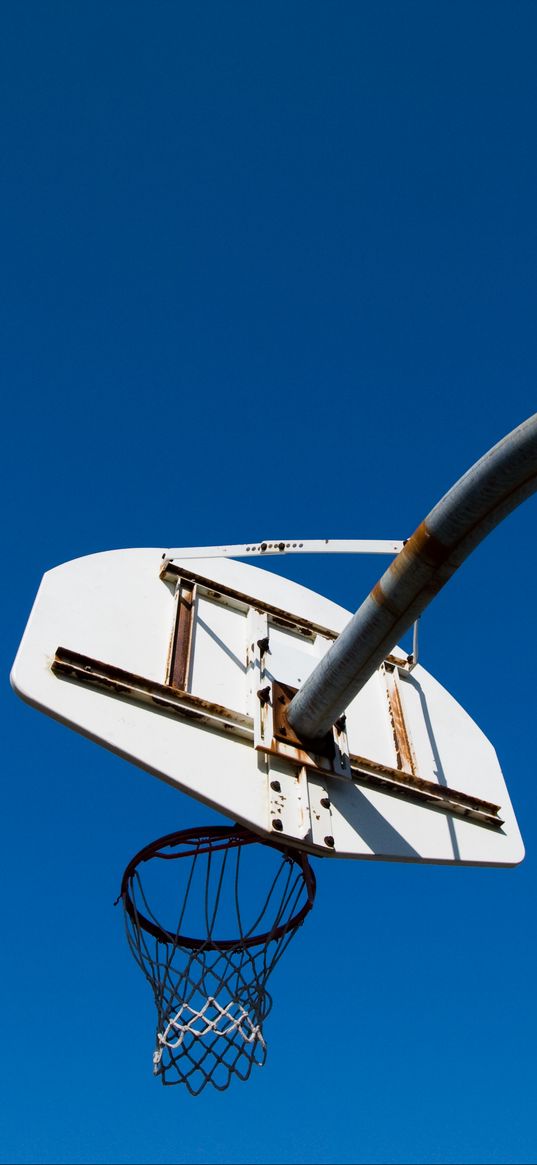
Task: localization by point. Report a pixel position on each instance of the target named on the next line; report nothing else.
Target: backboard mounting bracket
(171, 569)
(286, 546)
(260, 732)
(327, 757)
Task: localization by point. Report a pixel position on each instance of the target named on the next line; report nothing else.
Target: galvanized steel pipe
(490, 490)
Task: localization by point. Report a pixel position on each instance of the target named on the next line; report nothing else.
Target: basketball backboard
(185, 668)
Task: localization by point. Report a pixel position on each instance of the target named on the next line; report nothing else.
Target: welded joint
(331, 754)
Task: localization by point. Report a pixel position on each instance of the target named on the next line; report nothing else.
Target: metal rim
(230, 836)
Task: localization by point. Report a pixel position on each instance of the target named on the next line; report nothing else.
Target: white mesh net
(210, 991)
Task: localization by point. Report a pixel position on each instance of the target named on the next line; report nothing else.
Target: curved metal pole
(490, 490)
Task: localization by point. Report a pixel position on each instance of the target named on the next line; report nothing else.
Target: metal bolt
(281, 545)
(325, 802)
(329, 841)
(276, 786)
(277, 825)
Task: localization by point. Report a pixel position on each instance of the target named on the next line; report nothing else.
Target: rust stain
(423, 544)
(282, 694)
(378, 596)
(398, 661)
(422, 547)
(72, 665)
(179, 668)
(420, 784)
(403, 746)
(306, 760)
(437, 797)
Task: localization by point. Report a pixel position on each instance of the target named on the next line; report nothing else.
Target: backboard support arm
(289, 546)
(486, 494)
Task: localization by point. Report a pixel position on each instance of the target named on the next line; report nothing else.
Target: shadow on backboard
(439, 768)
(376, 831)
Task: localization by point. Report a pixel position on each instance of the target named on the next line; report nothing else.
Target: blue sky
(268, 271)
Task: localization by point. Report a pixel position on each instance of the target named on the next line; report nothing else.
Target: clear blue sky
(268, 270)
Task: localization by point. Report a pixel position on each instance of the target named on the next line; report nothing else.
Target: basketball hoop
(211, 991)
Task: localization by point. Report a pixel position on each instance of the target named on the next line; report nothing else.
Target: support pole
(486, 494)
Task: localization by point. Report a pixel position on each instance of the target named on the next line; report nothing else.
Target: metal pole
(490, 490)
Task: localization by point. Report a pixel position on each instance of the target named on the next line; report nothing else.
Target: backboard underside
(186, 669)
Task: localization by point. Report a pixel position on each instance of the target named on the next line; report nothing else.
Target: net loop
(209, 982)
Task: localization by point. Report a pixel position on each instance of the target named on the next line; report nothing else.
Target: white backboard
(173, 665)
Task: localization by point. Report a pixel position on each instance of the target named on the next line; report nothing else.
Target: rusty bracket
(299, 804)
(282, 694)
(115, 681)
(258, 728)
(181, 645)
(401, 737)
(328, 756)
